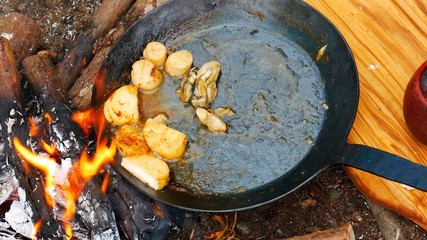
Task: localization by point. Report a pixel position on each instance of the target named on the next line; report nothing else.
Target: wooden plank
(388, 39)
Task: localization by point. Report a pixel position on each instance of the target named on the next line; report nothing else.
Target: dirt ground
(329, 200)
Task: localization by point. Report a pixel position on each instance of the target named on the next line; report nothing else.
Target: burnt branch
(95, 212)
(138, 216)
(80, 52)
(14, 124)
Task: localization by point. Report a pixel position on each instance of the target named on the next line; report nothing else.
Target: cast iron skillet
(293, 113)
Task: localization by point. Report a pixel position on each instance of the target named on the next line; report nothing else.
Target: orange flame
(48, 118)
(33, 127)
(68, 231)
(82, 171)
(46, 164)
(84, 119)
(86, 168)
(50, 149)
(105, 183)
(36, 228)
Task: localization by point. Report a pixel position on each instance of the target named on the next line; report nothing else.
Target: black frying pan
(293, 113)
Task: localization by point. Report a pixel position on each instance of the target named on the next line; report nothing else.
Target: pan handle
(384, 164)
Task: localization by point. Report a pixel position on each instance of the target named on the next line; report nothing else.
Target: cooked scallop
(148, 169)
(130, 141)
(163, 140)
(178, 63)
(156, 53)
(122, 106)
(146, 76)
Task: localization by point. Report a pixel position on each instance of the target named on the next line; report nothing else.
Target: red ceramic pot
(415, 105)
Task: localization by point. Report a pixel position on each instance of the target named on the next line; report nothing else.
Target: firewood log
(64, 133)
(136, 213)
(93, 208)
(80, 52)
(23, 32)
(344, 232)
(14, 124)
(80, 93)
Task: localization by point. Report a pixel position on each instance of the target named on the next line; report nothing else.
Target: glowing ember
(82, 171)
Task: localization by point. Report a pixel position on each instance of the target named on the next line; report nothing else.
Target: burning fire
(86, 167)
(36, 228)
(46, 164)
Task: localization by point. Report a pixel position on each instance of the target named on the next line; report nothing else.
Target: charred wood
(97, 219)
(95, 212)
(62, 132)
(14, 124)
(139, 217)
(98, 216)
(80, 52)
(22, 32)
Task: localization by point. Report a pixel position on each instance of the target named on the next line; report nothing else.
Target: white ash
(4, 225)
(105, 235)
(19, 219)
(61, 172)
(66, 165)
(9, 123)
(2, 146)
(7, 182)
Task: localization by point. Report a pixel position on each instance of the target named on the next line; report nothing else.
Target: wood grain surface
(389, 41)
